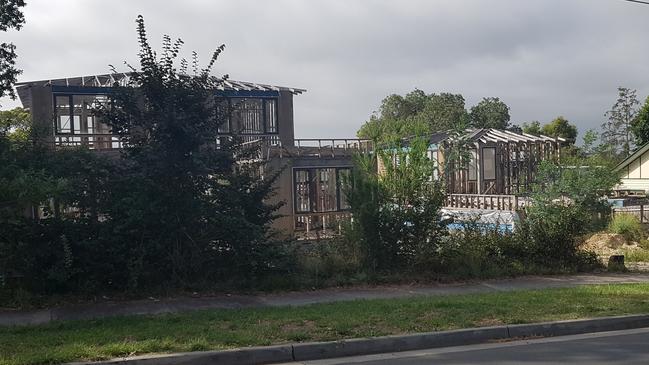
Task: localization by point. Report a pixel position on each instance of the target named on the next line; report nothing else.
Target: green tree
(640, 124)
(617, 129)
(533, 128)
(11, 17)
(490, 113)
(197, 211)
(589, 146)
(445, 111)
(560, 127)
(396, 213)
(15, 124)
(415, 114)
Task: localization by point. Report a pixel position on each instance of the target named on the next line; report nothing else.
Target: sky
(543, 58)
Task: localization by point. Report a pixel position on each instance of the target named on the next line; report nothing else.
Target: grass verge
(228, 328)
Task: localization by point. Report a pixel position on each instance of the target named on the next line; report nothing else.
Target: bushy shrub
(627, 225)
(171, 212)
(396, 213)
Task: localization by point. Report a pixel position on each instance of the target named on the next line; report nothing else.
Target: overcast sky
(544, 58)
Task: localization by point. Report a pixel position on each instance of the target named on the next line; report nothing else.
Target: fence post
(515, 203)
(641, 213)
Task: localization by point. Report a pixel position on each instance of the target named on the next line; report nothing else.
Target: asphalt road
(618, 347)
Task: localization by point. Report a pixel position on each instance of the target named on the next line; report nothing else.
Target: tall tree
(533, 128)
(11, 17)
(415, 114)
(445, 111)
(490, 113)
(640, 124)
(560, 127)
(198, 210)
(15, 124)
(617, 129)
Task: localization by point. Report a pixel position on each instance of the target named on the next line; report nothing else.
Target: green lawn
(221, 329)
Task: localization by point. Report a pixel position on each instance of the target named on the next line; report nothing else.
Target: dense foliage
(398, 226)
(627, 225)
(490, 113)
(396, 213)
(172, 211)
(558, 127)
(11, 17)
(640, 124)
(15, 124)
(415, 114)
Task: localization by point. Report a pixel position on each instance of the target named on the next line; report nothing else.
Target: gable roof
(627, 161)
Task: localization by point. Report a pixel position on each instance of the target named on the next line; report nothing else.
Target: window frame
(70, 96)
(484, 159)
(70, 114)
(265, 123)
(313, 174)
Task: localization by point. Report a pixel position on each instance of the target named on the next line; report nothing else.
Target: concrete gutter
(376, 345)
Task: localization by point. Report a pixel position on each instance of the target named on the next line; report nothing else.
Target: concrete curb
(368, 346)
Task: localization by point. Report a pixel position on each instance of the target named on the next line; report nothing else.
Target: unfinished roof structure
(123, 79)
(500, 161)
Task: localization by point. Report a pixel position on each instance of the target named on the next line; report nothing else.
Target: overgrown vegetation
(627, 225)
(396, 213)
(229, 328)
(171, 212)
(397, 233)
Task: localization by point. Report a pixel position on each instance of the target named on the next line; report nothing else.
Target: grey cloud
(543, 57)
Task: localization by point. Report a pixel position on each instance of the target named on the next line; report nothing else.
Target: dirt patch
(298, 326)
(605, 240)
(488, 322)
(607, 244)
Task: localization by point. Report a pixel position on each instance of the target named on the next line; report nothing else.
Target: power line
(638, 1)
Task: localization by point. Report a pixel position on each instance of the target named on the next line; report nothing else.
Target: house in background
(634, 173)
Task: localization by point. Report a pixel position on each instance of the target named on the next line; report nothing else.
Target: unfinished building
(501, 164)
(312, 169)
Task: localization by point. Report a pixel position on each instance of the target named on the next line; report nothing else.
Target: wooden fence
(482, 201)
(638, 211)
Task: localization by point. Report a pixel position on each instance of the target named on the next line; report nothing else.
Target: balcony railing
(322, 147)
(269, 144)
(105, 141)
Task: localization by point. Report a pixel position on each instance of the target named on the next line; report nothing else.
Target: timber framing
(499, 162)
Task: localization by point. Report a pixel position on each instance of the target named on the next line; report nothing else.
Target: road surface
(618, 347)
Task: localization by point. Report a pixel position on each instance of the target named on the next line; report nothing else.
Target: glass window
(489, 163)
(473, 166)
